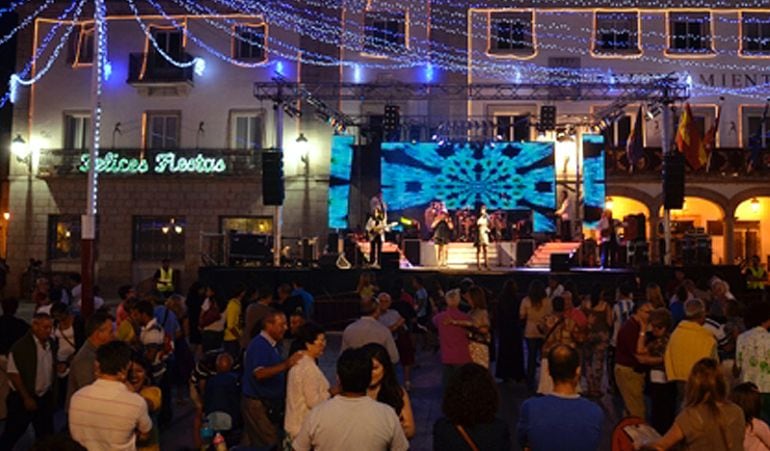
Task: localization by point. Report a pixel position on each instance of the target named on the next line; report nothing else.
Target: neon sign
(163, 163)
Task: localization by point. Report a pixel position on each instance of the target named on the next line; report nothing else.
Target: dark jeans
(609, 253)
(663, 403)
(19, 419)
(375, 250)
(566, 230)
(533, 357)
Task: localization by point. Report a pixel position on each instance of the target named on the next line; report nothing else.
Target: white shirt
(216, 326)
(558, 291)
(343, 423)
(368, 330)
(306, 387)
(44, 370)
(98, 303)
(751, 351)
(66, 345)
(103, 416)
(565, 211)
(152, 333)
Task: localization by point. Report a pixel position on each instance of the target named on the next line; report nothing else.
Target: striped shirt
(106, 415)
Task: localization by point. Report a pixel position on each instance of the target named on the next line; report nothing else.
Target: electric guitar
(374, 229)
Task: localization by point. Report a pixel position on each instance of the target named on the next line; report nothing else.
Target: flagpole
(666, 129)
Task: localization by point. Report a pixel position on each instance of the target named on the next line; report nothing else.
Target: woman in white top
(306, 386)
(482, 237)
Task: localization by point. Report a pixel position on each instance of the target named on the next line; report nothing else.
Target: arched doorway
(752, 229)
(623, 208)
(698, 217)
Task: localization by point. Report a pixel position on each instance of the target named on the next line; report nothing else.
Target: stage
(336, 300)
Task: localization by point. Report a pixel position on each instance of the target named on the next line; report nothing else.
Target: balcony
(727, 165)
(135, 163)
(152, 75)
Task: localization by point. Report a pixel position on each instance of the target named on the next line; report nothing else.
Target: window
(512, 127)
(249, 43)
(384, 32)
(162, 130)
(755, 130)
(77, 128)
(246, 130)
(159, 237)
(616, 32)
(755, 33)
(81, 45)
(170, 41)
(511, 33)
(258, 225)
(689, 32)
(63, 237)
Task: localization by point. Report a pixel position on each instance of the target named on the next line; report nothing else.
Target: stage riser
(463, 255)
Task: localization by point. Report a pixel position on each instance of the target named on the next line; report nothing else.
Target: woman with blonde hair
(654, 295)
(709, 421)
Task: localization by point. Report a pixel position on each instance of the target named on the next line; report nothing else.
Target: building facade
(181, 145)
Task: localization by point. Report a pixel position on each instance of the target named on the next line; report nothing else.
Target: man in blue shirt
(307, 298)
(264, 383)
(561, 420)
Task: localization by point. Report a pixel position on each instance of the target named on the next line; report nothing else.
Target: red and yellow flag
(689, 140)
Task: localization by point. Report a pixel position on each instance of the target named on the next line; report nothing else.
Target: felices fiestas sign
(161, 163)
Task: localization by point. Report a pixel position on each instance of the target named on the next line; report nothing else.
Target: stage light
(107, 70)
(755, 205)
(357, 74)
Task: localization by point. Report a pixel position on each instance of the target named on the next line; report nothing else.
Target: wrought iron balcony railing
(724, 163)
(148, 68)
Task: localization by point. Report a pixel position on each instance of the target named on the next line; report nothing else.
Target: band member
(482, 236)
(609, 239)
(565, 213)
(442, 230)
(377, 202)
(375, 228)
(430, 214)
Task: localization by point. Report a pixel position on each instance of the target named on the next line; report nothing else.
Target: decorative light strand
(27, 20)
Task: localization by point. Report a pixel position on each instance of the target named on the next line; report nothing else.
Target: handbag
(467, 438)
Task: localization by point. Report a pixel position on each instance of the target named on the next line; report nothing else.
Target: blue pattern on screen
(593, 179)
(339, 180)
(501, 175)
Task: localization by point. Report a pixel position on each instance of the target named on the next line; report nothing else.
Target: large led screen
(339, 180)
(593, 179)
(504, 176)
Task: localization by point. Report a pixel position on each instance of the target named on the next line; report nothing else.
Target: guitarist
(375, 229)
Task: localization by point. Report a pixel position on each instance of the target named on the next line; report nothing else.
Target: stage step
(542, 256)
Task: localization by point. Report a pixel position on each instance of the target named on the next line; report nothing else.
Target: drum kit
(465, 225)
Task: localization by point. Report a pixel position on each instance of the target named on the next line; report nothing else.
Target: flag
(710, 138)
(689, 140)
(635, 145)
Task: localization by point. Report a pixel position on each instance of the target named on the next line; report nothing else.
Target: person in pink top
(757, 436)
(453, 341)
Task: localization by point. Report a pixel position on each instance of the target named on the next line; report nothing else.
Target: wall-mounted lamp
(7, 215)
(609, 203)
(755, 205)
(20, 149)
(302, 146)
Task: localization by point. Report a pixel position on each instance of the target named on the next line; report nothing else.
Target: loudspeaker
(328, 261)
(412, 251)
(272, 178)
(547, 117)
(673, 181)
(524, 251)
(561, 262)
(389, 260)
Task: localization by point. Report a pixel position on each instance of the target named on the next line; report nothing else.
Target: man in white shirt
(31, 373)
(368, 330)
(751, 351)
(352, 420)
(107, 415)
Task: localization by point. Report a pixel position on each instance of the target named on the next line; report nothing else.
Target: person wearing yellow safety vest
(756, 275)
(166, 279)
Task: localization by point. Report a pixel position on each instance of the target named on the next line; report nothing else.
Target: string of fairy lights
(399, 46)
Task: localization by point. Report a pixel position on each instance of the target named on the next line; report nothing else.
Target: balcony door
(170, 41)
(746, 238)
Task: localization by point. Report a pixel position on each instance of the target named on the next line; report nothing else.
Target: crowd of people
(687, 359)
